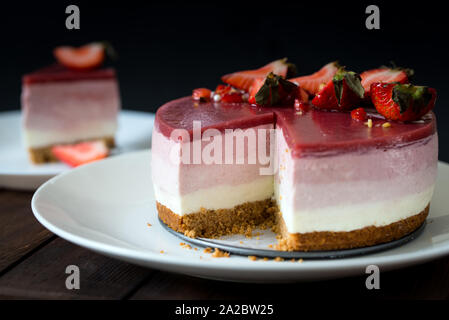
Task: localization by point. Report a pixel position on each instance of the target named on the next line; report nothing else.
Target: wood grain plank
(428, 281)
(20, 232)
(42, 275)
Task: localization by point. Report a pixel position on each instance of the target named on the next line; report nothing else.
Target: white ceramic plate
(17, 172)
(106, 206)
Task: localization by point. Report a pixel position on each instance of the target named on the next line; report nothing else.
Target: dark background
(167, 49)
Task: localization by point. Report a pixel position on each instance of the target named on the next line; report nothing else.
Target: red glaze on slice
(320, 133)
(58, 72)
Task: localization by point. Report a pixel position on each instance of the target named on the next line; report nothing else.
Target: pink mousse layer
(357, 177)
(63, 105)
(173, 175)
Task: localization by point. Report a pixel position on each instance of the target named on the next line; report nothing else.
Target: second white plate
(109, 207)
(17, 172)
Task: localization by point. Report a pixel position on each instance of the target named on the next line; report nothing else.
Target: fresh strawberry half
(313, 82)
(81, 153)
(276, 91)
(402, 102)
(344, 92)
(302, 94)
(86, 57)
(201, 94)
(244, 79)
(384, 75)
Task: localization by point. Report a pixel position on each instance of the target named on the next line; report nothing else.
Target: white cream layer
(352, 216)
(33, 138)
(219, 197)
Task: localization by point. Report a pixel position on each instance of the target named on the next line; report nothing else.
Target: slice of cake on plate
(339, 179)
(69, 102)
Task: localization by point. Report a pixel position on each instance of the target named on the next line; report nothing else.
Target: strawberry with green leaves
(344, 92)
(402, 102)
(276, 91)
(384, 74)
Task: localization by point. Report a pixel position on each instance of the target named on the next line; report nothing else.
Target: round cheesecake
(320, 179)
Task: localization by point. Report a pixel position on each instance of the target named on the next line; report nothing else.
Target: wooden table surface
(33, 263)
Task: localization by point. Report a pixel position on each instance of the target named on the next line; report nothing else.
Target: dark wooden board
(427, 281)
(43, 276)
(20, 232)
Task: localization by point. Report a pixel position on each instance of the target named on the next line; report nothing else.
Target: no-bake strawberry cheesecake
(73, 101)
(311, 157)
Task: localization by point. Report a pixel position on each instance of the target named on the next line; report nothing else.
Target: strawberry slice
(86, 57)
(201, 94)
(313, 83)
(257, 84)
(344, 92)
(81, 153)
(244, 79)
(384, 75)
(402, 102)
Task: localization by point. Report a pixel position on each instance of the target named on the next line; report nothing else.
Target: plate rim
(138, 255)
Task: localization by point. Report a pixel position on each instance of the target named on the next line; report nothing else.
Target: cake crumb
(386, 125)
(300, 260)
(162, 251)
(241, 242)
(286, 150)
(293, 260)
(220, 254)
(369, 123)
(278, 259)
(148, 224)
(208, 250)
(270, 246)
(196, 249)
(265, 259)
(252, 258)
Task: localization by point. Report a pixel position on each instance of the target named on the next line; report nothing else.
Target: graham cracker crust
(264, 214)
(44, 154)
(241, 219)
(364, 237)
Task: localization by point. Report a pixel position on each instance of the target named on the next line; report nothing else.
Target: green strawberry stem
(274, 90)
(352, 80)
(407, 95)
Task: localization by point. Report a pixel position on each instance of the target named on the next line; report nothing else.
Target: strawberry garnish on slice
(201, 94)
(80, 153)
(244, 79)
(313, 83)
(276, 91)
(344, 92)
(384, 74)
(86, 57)
(358, 114)
(257, 84)
(402, 102)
